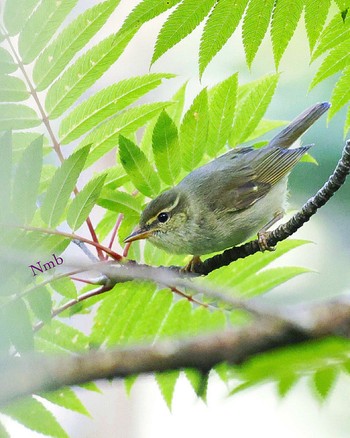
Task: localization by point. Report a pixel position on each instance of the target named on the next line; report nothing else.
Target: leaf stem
(46, 121)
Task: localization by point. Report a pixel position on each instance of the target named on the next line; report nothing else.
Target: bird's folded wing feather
(240, 188)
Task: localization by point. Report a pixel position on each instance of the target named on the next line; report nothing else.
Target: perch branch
(203, 352)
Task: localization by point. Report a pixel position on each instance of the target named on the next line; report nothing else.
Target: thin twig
(73, 236)
(46, 121)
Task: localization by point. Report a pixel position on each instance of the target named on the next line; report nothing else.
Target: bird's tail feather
(299, 125)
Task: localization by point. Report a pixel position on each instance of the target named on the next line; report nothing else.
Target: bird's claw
(262, 241)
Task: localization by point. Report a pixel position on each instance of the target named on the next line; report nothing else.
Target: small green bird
(223, 203)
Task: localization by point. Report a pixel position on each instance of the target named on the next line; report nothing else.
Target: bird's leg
(195, 260)
(263, 233)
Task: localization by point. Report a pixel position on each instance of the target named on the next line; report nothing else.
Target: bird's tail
(299, 125)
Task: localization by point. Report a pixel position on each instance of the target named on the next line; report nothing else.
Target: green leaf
(65, 287)
(341, 93)
(266, 280)
(116, 177)
(40, 302)
(324, 380)
(342, 4)
(83, 203)
(26, 181)
(106, 103)
(145, 11)
(250, 109)
(166, 382)
(84, 73)
(60, 338)
(7, 64)
(222, 104)
(165, 145)
(13, 116)
(286, 383)
(18, 326)
(220, 25)
(316, 12)
(41, 26)
(12, 89)
(120, 202)
(180, 23)
(21, 140)
(66, 398)
(54, 59)
(138, 168)
(194, 131)
(175, 110)
(153, 315)
(61, 187)
(337, 59)
(244, 269)
(335, 33)
(255, 25)
(105, 136)
(106, 225)
(3, 432)
(285, 18)
(5, 173)
(16, 13)
(33, 415)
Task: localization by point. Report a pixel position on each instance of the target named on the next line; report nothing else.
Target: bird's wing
(252, 179)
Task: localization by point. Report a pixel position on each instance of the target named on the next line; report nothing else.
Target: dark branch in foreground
(17, 378)
(335, 181)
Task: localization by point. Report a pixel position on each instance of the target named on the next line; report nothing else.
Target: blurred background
(258, 411)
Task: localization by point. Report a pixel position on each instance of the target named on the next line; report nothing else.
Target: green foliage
(83, 203)
(106, 103)
(41, 26)
(194, 131)
(61, 187)
(16, 116)
(165, 145)
(7, 64)
(253, 100)
(74, 37)
(180, 23)
(83, 73)
(220, 25)
(255, 25)
(28, 411)
(26, 181)
(222, 106)
(138, 168)
(12, 89)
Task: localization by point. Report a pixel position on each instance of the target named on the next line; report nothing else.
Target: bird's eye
(163, 217)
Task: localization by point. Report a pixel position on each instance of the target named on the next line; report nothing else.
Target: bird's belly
(240, 225)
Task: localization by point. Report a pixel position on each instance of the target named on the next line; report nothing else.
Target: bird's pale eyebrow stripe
(168, 209)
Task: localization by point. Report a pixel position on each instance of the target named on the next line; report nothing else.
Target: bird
(225, 202)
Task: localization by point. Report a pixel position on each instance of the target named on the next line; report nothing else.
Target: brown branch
(203, 352)
(335, 181)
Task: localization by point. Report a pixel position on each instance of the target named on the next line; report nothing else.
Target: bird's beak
(138, 235)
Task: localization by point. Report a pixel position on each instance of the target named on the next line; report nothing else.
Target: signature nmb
(48, 265)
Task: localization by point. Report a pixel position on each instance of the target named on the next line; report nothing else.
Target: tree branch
(335, 181)
(203, 352)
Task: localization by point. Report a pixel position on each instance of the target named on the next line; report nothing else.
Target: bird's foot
(190, 267)
(262, 241)
(263, 234)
